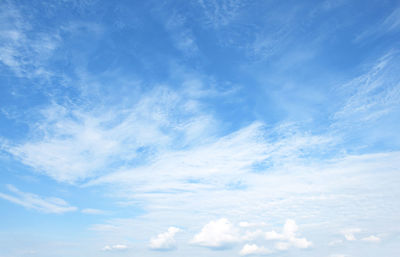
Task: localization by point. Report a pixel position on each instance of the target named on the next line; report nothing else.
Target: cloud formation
(253, 249)
(38, 203)
(218, 234)
(288, 236)
(165, 241)
(116, 247)
(371, 238)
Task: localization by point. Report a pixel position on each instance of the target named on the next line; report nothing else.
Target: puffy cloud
(117, 247)
(253, 249)
(164, 241)
(288, 236)
(372, 238)
(33, 201)
(219, 234)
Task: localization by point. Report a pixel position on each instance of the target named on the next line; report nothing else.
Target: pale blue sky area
(199, 128)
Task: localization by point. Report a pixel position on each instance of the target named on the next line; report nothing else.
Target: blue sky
(199, 128)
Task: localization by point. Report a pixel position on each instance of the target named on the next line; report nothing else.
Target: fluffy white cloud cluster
(288, 237)
(165, 241)
(217, 234)
(222, 234)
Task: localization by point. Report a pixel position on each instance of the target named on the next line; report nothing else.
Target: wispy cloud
(93, 211)
(38, 203)
(373, 94)
(74, 144)
(23, 53)
(220, 13)
(372, 239)
(389, 25)
(116, 247)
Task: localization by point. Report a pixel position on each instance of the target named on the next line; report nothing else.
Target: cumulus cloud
(219, 234)
(372, 239)
(117, 247)
(288, 237)
(33, 201)
(253, 249)
(165, 241)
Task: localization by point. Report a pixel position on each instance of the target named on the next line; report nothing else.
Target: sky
(195, 128)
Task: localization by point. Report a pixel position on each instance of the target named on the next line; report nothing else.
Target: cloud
(245, 224)
(116, 247)
(220, 13)
(73, 144)
(371, 95)
(181, 36)
(289, 235)
(392, 22)
(372, 239)
(253, 249)
(23, 52)
(92, 211)
(35, 202)
(218, 234)
(349, 234)
(165, 241)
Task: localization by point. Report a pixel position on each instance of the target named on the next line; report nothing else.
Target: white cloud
(165, 241)
(245, 224)
(220, 13)
(372, 239)
(218, 234)
(92, 211)
(75, 144)
(33, 201)
(349, 234)
(116, 247)
(371, 95)
(23, 52)
(253, 249)
(288, 235)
